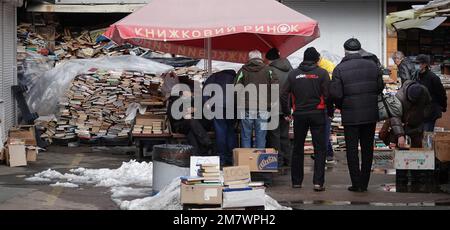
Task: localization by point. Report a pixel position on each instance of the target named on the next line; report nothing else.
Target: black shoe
(354, 189)
(296, 186)
(313, 157)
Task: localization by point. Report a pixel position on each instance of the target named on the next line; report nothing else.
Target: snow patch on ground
(129, 173)
(129, 191)
(64, 184)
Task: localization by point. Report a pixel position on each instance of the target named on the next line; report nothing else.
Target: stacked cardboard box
(96, 103)
(20, 147)
(203, 189)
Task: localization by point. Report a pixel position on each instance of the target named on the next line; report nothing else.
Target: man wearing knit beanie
(279, 137)
(308, 86)
(354, 89)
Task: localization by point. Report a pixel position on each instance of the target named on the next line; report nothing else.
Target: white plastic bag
(50, 88)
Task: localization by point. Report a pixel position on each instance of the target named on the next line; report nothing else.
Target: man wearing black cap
(354, 89)
(279, 137)
(308, 85)
(436, 89)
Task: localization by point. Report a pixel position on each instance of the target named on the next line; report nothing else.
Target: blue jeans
(330, 152)
(429, 126)
(225, 140)
(256, 121)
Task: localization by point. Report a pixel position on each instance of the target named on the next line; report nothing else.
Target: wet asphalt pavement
(16, 193)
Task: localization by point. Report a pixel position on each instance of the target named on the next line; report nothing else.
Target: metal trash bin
(170, 161)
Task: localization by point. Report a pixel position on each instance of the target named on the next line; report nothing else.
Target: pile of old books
(150, 123)
(191, 74)
(96, 102)
(233, 190)
(48, 124)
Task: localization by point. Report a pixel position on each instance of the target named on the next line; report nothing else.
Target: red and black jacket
(308, 87)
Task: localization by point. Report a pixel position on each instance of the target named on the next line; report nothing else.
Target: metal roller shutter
(8, 64)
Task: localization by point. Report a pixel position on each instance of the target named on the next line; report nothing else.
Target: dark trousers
(402, 175)
(429, 126)
(330, 152)
(197, 136)
(279, 140)
(364, 135)
(225, 139)
(315, 122)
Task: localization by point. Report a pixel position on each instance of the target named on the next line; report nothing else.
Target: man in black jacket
(308, 85)
(279, 137)
(436, 89)
(354, 89)
(406, 69)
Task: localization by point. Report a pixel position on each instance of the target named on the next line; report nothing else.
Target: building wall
(8, 76)
(340, 20)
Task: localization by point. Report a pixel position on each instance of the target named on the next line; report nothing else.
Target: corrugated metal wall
(8, 76)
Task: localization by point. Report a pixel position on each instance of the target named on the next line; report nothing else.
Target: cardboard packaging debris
(236, 177)
(441, 143)
(246, 198)
(24, 132)
(16, 153)
(258, 160)
(31, 153)
(201, 194)
(414, 159)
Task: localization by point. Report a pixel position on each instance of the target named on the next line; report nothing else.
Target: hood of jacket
(254, 65)
(282, 64)
(307, 66)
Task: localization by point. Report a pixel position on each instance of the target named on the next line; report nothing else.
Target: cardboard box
(236, 173)
(259, 160)
(441, 143)
(415, 159)
(248, 198)
(31, 153)
(26, 132)
(201, 194)
(16, 155)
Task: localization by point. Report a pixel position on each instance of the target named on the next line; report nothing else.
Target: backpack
(389, 106)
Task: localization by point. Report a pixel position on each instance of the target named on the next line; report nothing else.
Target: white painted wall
(340, 20)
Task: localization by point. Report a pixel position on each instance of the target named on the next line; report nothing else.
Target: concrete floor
(16, 193)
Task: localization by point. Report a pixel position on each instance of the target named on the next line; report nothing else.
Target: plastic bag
(220, 65)
(132, 111)
(33, 67)
(50, 88)
(175, 154)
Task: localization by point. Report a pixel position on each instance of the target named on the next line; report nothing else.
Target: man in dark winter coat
(415, 101)
(225, 126)
(436, 90)
(406, 69)
(308, 85)
(253, 117)
(279, 137)
(355, 87)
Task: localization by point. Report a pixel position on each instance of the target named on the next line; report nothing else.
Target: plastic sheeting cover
(43, 97)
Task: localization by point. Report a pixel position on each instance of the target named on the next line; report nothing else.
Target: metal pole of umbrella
(209, 50)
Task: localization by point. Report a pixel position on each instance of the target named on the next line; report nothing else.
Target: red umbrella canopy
(234, 26)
